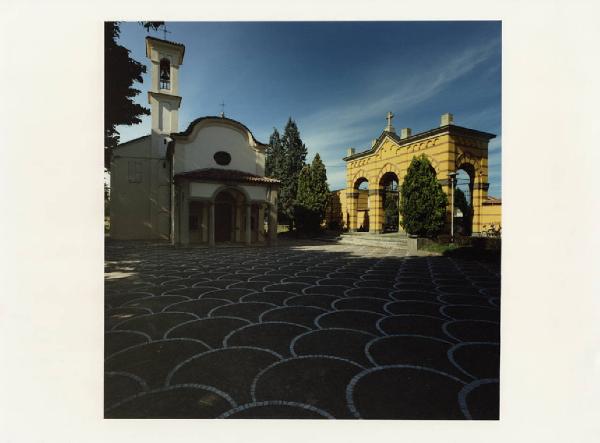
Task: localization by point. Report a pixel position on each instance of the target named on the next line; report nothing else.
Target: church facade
(204, 185)
(374, 175)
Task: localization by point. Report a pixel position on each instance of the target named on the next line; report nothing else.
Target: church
(204, 185)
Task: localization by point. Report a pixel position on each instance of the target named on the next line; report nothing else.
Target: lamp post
(452, 177)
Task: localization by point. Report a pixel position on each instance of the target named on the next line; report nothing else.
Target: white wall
(204, 190)
(139, 208)
(256, 192)
(197, 152)
(129, 203)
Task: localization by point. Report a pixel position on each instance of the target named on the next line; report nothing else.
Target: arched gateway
(449, 148)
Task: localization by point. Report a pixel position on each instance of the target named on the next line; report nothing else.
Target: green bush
(423, 202)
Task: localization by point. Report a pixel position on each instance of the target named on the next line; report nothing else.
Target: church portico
(212, 213)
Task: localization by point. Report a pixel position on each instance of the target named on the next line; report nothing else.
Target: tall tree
(423, 202)
(319, 187)
(120, 72)
(295, 156)
(303, 214)
(274, 156)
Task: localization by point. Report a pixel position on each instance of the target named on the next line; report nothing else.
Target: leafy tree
(294, 160)
(120, 72)
(303, 213)
(312, 197)
(423, 202)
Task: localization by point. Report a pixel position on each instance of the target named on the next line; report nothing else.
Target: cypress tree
(295, 155)
(319, 187)
(423, 202)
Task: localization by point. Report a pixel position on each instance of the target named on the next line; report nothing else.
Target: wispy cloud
(331, 130)
(344, 122)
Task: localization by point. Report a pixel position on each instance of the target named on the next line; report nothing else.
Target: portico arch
(359, 205)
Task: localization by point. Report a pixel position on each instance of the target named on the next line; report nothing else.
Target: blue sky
(337, 80)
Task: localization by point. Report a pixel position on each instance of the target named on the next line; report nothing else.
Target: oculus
(222, 158)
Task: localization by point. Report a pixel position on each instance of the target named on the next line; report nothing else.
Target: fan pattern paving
(313, 331)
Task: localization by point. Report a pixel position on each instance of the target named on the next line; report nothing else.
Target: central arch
(389, 184)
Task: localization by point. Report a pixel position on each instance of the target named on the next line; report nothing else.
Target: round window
(222, 158)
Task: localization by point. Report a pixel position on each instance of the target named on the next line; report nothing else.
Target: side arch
(360, 174)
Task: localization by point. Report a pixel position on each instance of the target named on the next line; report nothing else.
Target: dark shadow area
(307, 329)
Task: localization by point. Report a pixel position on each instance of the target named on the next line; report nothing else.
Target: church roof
(132, 140)
(161, 40)
(190, 127)
(226, 175)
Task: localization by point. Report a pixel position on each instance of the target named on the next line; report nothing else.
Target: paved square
(299, 331)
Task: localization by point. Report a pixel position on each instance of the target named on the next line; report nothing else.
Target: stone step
(382, 241)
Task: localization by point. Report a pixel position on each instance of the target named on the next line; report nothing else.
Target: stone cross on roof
(165, 31)
(389, 127)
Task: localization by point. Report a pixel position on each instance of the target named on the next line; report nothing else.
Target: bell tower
(163, 96)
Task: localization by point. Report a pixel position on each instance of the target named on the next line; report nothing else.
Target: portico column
(272, 224)
(211, 223)
(261, 222)
(479, 194)
(184, 232)
(375, 210)
(352, 203)
(248, 223)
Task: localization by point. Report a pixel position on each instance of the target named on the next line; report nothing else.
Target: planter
(415, 243)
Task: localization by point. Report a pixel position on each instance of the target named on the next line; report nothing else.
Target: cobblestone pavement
(313, 331)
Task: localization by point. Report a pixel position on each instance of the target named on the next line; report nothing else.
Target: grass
(440, 248)
(464, 252)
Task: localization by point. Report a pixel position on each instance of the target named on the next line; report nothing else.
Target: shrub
(423, 202)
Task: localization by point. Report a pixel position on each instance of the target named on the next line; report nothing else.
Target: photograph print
(302, 220)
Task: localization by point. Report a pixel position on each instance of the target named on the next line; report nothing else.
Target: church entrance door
(229, 216)
(223, 216)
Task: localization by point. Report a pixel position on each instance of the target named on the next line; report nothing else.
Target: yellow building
(374, 174)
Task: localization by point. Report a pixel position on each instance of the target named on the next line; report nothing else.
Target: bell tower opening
(165, 73)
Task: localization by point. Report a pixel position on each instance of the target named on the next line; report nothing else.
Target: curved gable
(195, 148)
